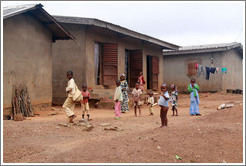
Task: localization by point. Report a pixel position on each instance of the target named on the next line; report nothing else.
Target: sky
(182, 23)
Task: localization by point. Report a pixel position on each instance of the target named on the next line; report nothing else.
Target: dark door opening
(136, 65)
(106, 63)
(152, 72)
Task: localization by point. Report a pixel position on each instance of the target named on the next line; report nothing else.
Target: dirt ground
(215, 137)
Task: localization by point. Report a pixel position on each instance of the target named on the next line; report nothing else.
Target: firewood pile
(21, 103)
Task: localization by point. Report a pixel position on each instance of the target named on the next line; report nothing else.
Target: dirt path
(215, 137)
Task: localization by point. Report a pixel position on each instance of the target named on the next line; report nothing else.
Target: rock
(64, 124)
(104, 124)
(158, 147)
(88, 128)
(112, 128)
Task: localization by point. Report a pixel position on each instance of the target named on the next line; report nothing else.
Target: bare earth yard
(215, 137)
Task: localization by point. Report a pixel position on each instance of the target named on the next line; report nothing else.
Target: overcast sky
(181, 23)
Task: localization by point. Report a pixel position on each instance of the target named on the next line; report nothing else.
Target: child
(69, 104)
(163, 103)
(85, 103)
(136, 96)
(141, 81)
(194, 98)
(174, 99)
(118, 98)
(150, 102)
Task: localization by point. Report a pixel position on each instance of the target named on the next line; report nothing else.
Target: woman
(124, 88)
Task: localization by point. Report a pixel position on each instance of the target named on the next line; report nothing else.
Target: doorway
(152, 72)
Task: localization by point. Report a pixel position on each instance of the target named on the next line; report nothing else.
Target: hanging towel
(224, 69)
(209, 70)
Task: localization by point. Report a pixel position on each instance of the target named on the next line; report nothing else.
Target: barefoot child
(85, 103)
(118, 98)
(174, 99)
(69, 104)
(194, 98)
(136, 96)
(150, 102)
(163, 103)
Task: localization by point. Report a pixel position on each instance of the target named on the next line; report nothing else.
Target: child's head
(140, 73)
(151, 93)
(122, 77)
(173, 87)
(137, 85)
(164, 87)
(117, 83)
(84, 87)
(69, 74)
(192, 81)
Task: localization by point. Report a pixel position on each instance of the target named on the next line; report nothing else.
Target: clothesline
(201, 69)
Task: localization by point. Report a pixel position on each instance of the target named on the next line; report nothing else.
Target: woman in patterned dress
(124, 88)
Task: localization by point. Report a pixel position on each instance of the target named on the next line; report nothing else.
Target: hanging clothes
(200, 71)
(209, 70)
(196, 66)
(217, 70)
(224, 70)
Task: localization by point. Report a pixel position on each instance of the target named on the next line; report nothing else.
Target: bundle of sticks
(21, 102)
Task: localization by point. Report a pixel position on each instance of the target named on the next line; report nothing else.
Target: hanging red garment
(196, 66)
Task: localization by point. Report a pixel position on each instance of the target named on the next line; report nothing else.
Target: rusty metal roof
(115, 28)
(205, 48)
(58, 32)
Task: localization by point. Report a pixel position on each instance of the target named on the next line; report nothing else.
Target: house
(102, 52)
(28, 33)
(179, 66)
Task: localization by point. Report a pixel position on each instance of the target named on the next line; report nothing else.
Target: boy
(136, 96)
(85, 103)
(118, 98)
(150, 102)
(69, 104)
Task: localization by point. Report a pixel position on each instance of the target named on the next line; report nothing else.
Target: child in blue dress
(194, 98)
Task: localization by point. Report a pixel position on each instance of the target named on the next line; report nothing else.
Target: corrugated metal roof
(205, 48)
(58, 32)
(115, 28)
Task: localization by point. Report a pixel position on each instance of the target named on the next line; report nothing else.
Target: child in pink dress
(141, 81)
(118, 99)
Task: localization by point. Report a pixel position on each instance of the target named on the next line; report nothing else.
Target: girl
(118, 99)
(69, 104)
(124, 88)
(136, 96)
(141, 81)
(174, 99)
(163, 103)
(194, 98)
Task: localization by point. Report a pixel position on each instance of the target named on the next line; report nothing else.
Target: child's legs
(192, 107)
(83, 109)
(161, 116)
(135, 108)
(196, 107)
(139, 109)
(69, 106)
(117, 109)
(150, 109)
(165, 109)
(87, 108)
